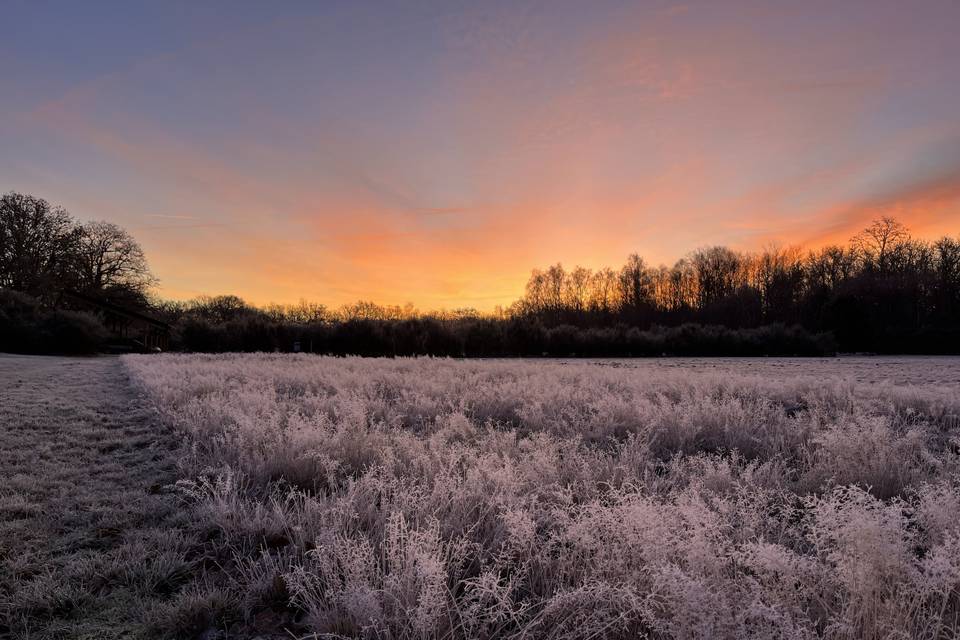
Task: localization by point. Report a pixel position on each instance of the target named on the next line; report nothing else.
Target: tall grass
(420, 498)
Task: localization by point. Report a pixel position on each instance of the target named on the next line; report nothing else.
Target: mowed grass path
(90, 542)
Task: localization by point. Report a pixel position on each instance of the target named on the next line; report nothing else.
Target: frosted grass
(424, 498)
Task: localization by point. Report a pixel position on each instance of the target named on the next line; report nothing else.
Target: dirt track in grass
(89, 538)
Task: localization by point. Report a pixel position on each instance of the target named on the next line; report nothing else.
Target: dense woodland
(884, 292)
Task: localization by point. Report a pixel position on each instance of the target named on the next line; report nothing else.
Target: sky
(436, 152)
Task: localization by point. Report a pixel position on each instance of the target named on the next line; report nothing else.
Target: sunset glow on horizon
(435, 153)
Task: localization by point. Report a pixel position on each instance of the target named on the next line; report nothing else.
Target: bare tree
(683, 285)
(948, 276)
(603, 290)
(879, 240)
(829, 267)
(367, 310)
(109, 258)
(303, 312)
(555, 279)
(578, 288)
(719, 273)
(535, 298)
(777, 274)
(636, 284)
(220, 309)
(37, 243)
(948, 259)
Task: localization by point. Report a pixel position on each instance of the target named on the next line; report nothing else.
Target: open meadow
(498, 320)
(433, 498)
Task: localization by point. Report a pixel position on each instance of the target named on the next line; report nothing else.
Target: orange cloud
(929, 209)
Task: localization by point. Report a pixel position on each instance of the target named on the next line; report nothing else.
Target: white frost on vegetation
(423, 498)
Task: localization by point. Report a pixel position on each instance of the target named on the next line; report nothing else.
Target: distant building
(130, 329)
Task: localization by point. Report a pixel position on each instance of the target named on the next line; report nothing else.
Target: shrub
(28, 327)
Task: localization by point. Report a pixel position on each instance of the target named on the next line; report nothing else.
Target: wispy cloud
(431, 157)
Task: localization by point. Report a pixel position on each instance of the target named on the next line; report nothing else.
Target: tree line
(884, 291)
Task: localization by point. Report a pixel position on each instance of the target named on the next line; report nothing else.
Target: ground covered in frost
(91, 544)
(419, 498)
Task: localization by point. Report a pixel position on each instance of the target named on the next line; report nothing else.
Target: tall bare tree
(603, 290)
(578, 288)
(108, 258)
(555, 282)
(636, 284)
(719, 273)
(37, 245)
(879, 240)
(829, 267)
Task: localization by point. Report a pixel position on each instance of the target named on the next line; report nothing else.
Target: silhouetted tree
(603, 291)
(884, 292)
(779, 277)
(636, 288)
(38, 246)
(719, 274)
(578, 290)
(878, 240)
(109, 259)
(303, 312)
(220, 309)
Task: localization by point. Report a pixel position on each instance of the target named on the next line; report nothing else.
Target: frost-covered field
(488, 499)
(930, 371)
